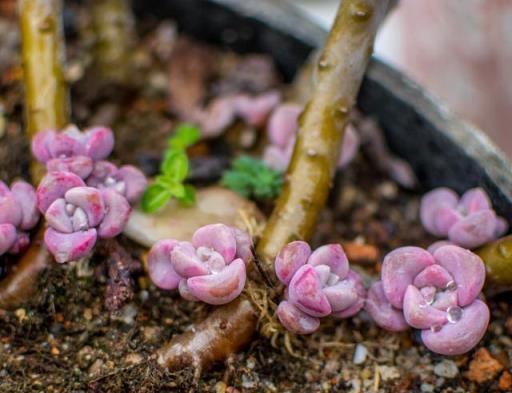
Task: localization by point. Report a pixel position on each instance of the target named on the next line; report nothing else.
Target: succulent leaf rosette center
(319, 284)
(437, 292)
(211, 268)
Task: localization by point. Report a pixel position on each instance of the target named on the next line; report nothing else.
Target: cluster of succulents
(282, 128)
(438, 293)
(83, 197)
(318, 284)
(18, 215)
(468, 221)
(210, 268)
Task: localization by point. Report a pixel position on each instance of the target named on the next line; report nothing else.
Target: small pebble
(360, 354)
(389, 372)
(427, 387)
(446, 368)
(483, 366)
(505, 381)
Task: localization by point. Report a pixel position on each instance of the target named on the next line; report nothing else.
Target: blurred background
(461, 51)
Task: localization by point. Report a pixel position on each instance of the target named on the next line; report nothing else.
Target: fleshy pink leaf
(467, 269)
(117, 214)
(185, 261)
(418, 313)
(220, 288)
(305, 292)
(283, 124)
(382, 312)
(90, 200)
(134, 180)
(27, 201)
(67, 247)
(333, 256)
(160, 268)
(7, 237)
(219, 237)
(475, 200)
(341, 295)
(434, 275)
(10, 210)
(357, 282)
(79, 165)
(296, 321)
(53, 186)
(58, 218)
(243, 245)
(99, 142)
(350, 146)
(400, 268)
(290, 259)
(431, 202)
(474, 230)
(462, 336)
(40, 143)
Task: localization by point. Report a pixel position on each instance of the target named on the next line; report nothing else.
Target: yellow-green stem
(338, 76)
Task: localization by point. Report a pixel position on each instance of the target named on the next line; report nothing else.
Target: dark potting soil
(65, 340)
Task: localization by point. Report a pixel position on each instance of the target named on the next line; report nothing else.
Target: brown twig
(120, 266)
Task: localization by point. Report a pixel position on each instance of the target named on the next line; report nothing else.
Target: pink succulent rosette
(468, 221)
(18, 214)
(210, 268)
(282, 129)
(319, 284)
(72, 150)
(77, 215)
(126, 180)
(437, 293)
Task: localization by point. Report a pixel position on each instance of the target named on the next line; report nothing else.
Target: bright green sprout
(173, 172)
(252, 178)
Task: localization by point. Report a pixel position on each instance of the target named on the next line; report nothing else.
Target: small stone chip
(505, 382)
(360, 354)
(446, 369)
(483, 367)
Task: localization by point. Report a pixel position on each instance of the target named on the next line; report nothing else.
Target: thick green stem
(339, 73)
(497, 257)
(113, 25)
(46, 93)
(47, 107)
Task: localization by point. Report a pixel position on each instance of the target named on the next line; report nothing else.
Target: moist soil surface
(66, 339)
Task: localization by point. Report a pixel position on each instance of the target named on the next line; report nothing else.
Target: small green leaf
(155, 197)
(186, 135)
(175, 165)
(177, 190)
(252, 178)
(190, 196)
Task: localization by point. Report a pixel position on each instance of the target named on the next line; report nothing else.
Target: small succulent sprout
(77, 215)
(72, 150)
(319, 284)
(468, 221)
(282, 128)
(437, 293)
(211, 268)
(18, 214)
(126, 180)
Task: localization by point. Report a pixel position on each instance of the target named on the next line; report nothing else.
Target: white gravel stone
(446, 369)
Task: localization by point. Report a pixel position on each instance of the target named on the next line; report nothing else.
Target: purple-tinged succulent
(222, 111)
(18, 214)
(468, 221)
(126, 180)
(437, 293)
(282, 129)
(211, 268)
(77, 215)
(319, 284)
(72, 150)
